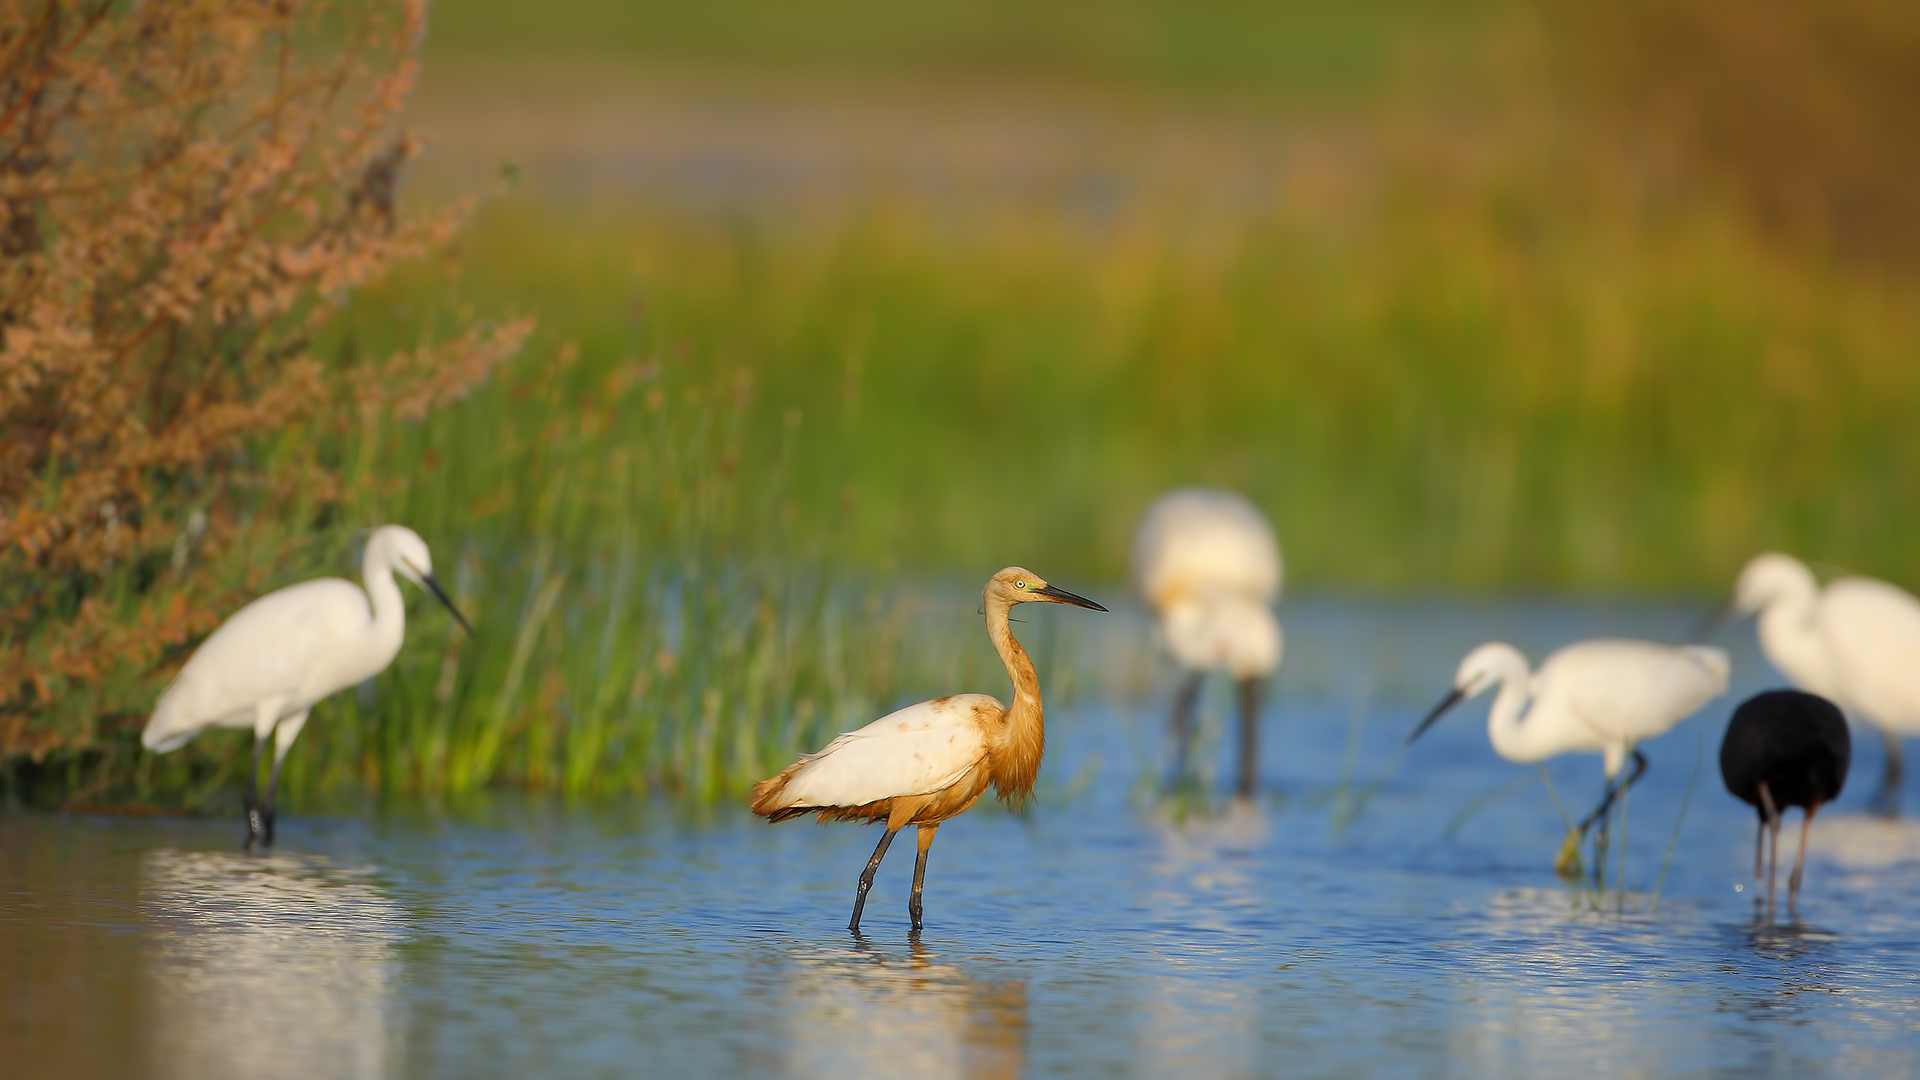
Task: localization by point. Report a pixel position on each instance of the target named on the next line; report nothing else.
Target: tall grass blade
(1699, 753)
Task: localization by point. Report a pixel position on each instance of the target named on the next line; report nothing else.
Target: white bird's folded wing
(267, 650)
(918, 750)
(1635, 690)
(1873, 629)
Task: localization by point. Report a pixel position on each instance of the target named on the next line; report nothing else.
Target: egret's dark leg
(266, 808)
(283, 735)
(1249, 736)
(1181, 727)
(1800, 864)
(1614, 790)
(1886, 800)
(920, 872)
(866, 879)
(1603, 838)
(1602, 844)
(1599, 812)
(255, 826)
(1759, 846)
(1773, 849)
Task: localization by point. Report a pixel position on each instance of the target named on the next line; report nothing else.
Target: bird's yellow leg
(1568, 864)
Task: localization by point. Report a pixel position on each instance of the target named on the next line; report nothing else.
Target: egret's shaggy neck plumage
(1512, 737)
(1016, 755)
(1785, 594)
(389, 612)
(1512, 727)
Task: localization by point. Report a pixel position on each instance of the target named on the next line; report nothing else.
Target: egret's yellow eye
(1019, 584)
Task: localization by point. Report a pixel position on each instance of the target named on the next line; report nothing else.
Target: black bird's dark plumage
(1785, 748)
(1796, 742)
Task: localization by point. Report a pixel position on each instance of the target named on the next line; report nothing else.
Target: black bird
(1785, 748)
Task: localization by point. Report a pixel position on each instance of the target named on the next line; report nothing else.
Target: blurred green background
(842, 306)
(1430, 282)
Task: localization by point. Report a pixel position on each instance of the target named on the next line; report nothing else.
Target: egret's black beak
(1456, 697)
(1704, 630)
(433, 586)
(1062, 596)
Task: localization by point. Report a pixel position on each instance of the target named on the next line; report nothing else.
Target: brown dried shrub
(1810, 109)
(189, 191)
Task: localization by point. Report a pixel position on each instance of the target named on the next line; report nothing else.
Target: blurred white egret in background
(1604, 696)
(1208, 566)
(268, 664)
(1855, 642)
(928, 762)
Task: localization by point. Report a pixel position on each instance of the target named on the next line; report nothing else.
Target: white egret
(1604, 696)
(1855, 642)
(268, 664)
(1208, 566)
(1785, 748)
(928, 762)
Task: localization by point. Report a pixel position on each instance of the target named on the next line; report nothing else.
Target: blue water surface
(1379, 911)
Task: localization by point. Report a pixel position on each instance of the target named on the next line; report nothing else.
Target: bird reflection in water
(269, 966)
(870, 1010)
(1537, 996)
(1194, 1013)
(1795, 967)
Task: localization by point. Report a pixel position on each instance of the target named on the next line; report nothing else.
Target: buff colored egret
(928, 762)
(1603, 696)
(1207, 564)
(1855, 642)
(1785, 748)
(268, 664)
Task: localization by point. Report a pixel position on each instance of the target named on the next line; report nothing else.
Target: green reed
(1461, 339)
(645, 619)
(1448, 388)
(679, 520)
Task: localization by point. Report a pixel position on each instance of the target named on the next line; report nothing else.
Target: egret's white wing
(274, 648)
(1633, 690)
(1196, 538)
(1873, 633)
(918, 750)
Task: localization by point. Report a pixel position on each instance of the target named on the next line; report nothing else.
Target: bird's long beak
(1704, 630)
(433, 586)
(1446, 703)
(1062, 596)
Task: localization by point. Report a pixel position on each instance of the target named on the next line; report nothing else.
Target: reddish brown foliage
(1810, 107)
(188, 192)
